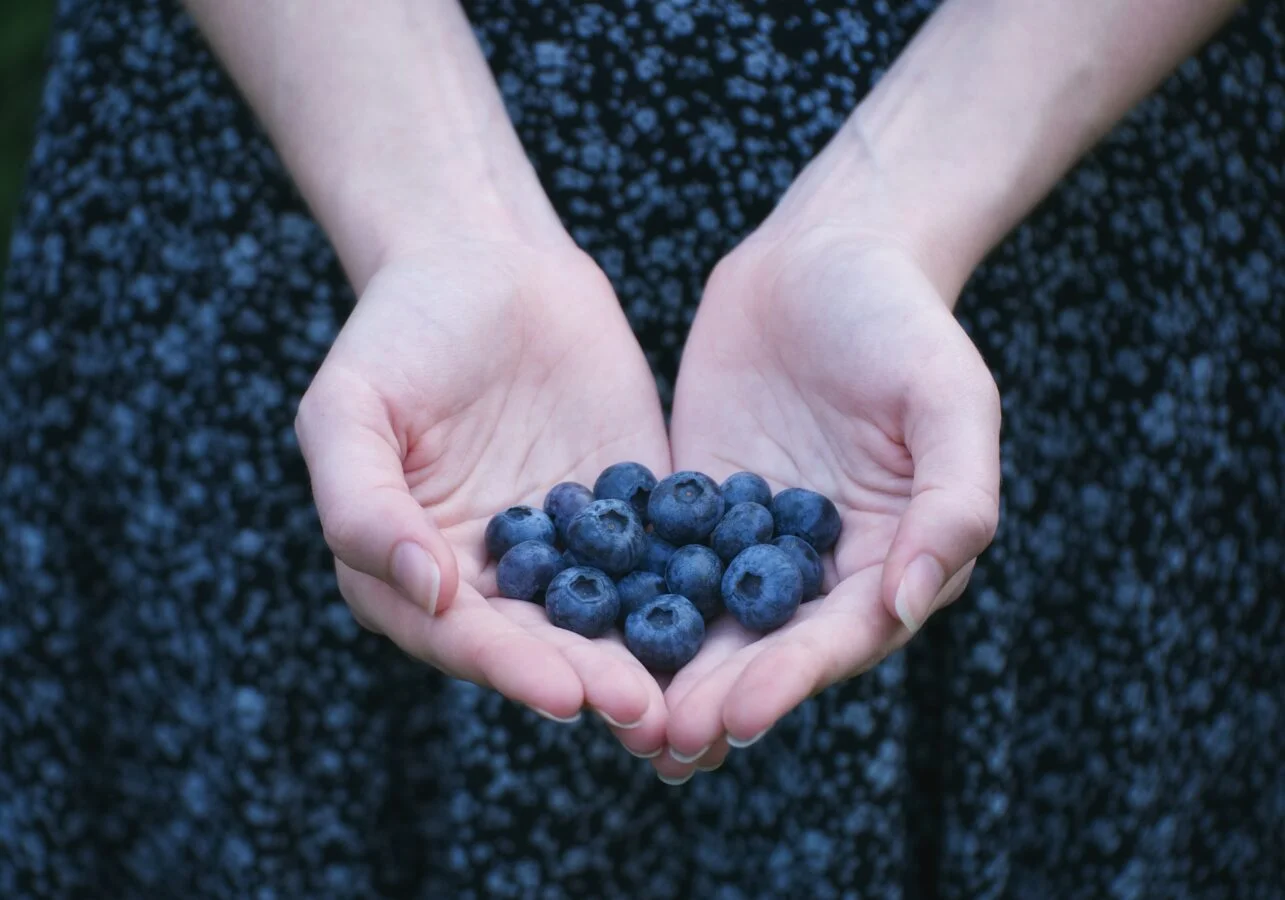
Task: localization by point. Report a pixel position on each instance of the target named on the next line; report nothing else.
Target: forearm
(386, 115)
(995, 99)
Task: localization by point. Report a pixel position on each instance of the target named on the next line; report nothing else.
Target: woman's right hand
(486, 359)
(474, 374)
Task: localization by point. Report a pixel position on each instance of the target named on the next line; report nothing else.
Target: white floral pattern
(187, 708)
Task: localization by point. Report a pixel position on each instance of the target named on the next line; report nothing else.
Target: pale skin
(487, 357)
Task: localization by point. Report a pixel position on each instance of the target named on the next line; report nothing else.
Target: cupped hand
(825, 358)
(472, 376)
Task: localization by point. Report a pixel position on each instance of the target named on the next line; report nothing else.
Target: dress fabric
(188, 710)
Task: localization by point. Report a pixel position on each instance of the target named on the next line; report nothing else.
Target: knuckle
(344, 580)
(988, 393)
(309, 411)
(981, 519)
(970, 510)
(956, 376)
(581, 264)
(328, 402)
(342, 529)
(350, 591)
(726, 274)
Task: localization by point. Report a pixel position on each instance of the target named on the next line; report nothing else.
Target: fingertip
(672, 772)
(572, 719)
(632, 706)
(697, 722)
(644, 739)
(619, 726)
(626, 705)
(364, 622)
(532, 672)
(612, 684)
(679, 756)
(714, 758)
(771, 685)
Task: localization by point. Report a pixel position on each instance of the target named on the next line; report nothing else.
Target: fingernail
(570, 720)
(652, 755)
(920, 583)
(742, 744)
(682, 779)
(678, 757)
(416, 575)
(622, 725)
(709, 768)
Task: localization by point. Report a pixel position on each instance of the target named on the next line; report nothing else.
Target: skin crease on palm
(559, 391)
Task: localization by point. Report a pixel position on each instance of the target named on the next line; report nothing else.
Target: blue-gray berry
(762, 588)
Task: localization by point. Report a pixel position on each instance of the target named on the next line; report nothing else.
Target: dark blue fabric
(188, 710)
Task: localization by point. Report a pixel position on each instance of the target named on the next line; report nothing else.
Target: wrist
(853, 195)
(395, 209)
(983, 112)
(386, 116)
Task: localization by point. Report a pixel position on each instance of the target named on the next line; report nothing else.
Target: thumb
(368, 516)
(952, 433)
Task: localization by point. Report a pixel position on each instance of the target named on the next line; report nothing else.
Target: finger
(671, 769)
(695, 697)
(616, 685)
(485, 582)
(672, 772)
(724, 637)
(952, 433)
(714, 757)
(699, 720)
(369, 626)
(471, 641)
(645, 737)
(848, 633)
(646, 740)
(829, 573)
(368, 516)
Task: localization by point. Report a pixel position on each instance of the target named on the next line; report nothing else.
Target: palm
(802, 365)
(499, 373)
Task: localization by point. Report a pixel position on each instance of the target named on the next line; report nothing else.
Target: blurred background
(24, 33)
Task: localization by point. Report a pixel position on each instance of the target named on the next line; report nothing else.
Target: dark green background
(24, 34)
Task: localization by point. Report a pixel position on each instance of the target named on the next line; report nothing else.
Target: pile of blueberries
(664, 558)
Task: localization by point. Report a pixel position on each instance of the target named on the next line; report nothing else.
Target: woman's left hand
(824, 357)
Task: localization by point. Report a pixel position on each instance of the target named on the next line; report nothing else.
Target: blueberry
(637, 588)
(628, 481)
(746, 487)
(808, 561)
(526, 570)
(659, 551)
(515, 525)
(607, 535)
(762, 588)
(562, 503)
(696, 573)
(582, 600)
(807, 514)
(745, 525)
(569, 559)
(665, 633)
(685, 507)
